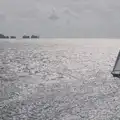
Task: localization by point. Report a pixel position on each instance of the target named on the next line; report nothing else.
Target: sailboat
(116, 69)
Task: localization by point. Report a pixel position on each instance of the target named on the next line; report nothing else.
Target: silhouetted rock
(34, 36)
(2, 36)
(12, 37)
(25, 37)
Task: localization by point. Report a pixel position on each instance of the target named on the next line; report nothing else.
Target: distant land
(2, 36)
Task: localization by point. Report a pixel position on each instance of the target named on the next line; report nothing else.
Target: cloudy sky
(61, 18)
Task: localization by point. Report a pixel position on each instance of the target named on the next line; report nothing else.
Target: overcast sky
(61, 18)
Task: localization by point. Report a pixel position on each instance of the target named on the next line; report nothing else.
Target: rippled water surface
(59, 79)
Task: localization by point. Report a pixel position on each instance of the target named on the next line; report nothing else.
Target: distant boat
(34, 36)
(7, 37)
(116, 69)
(13, 37)
(26, 37)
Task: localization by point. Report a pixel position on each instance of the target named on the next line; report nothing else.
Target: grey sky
(61, 18)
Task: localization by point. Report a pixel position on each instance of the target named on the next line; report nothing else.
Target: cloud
(53, 16)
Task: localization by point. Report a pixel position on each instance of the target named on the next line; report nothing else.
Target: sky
(61, 18)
